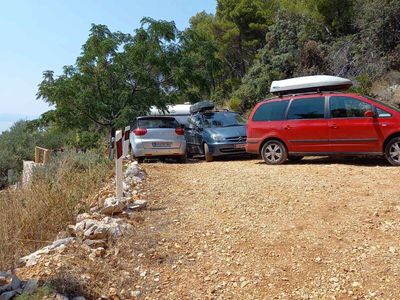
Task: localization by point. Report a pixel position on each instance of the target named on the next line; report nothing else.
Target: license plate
(161, 144)
(240, 146)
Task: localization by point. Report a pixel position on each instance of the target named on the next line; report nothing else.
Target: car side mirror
(369, 114)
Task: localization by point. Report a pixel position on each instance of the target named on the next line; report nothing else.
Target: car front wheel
(208, 156)
(274, 152)
(392, 151)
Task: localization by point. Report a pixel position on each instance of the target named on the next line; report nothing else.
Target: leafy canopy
(116, 77)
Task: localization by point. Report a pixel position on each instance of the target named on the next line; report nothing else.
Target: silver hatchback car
(158, 137)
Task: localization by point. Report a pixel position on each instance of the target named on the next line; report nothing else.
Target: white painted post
(126, 140)
(118, 164)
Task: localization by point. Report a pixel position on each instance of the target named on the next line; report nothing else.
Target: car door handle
(287, 127)
(334, 126)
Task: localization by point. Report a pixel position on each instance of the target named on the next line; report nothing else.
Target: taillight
(140, 131)
(179, 131)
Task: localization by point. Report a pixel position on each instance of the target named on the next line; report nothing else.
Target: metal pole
(118, 165)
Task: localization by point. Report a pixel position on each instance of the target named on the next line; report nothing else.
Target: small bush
(32, 217)
(234, 104)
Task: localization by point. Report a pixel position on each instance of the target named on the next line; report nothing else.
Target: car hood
(228, 131)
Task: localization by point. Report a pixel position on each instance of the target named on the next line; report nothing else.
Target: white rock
(138, 204)
(113, 206)
(102, 229)
(136, 293)
(82, 217)
(132, 170)
(31, 259)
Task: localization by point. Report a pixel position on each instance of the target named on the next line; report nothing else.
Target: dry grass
(30, 218)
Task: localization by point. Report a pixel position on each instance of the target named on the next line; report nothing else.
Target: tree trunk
(111, 146)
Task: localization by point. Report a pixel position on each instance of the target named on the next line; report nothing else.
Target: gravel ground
(321, 229)
(318, 229)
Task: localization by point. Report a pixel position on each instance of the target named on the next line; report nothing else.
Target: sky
(39, 35)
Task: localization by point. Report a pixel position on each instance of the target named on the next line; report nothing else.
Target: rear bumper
(139, 151)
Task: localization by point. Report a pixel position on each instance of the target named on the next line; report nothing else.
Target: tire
(295, 158)
(189, 155)
(207, 155)
(392, 151)
(274, 152)
(182, 159)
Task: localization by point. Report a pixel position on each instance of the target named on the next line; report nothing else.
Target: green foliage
(16, 144)
(230, 57)
(364, 85)
(41, 293)
(117, 77)
(235, 104)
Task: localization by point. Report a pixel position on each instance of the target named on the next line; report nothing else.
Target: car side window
(382, 113)
(271, 111)
(347, 107)
(189, 123)
(307, 108)
(197, 121)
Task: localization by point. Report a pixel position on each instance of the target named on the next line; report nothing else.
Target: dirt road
(245, 230)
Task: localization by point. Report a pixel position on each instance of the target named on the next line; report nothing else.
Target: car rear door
(306, 126)
(193, 135)
(350, 131)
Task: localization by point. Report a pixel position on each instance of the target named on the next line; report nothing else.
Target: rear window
(271, 111)
(158, 123)
(307, 108)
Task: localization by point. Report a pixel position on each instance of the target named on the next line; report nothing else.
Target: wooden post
(118, 164)
(42, 155)
(46, 156)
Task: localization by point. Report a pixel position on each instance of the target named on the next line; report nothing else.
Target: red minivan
(323, 124)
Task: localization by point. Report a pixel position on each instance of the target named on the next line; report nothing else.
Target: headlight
(217, 137)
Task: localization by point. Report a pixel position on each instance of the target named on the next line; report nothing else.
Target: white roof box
(172, 110)
(307, 84)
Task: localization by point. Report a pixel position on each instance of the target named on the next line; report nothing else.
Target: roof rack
(201, 106)
(309, 93)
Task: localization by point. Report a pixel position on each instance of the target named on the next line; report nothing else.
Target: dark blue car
(215, 133)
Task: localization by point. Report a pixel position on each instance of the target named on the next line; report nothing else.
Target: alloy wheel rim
(273, 153)
(395, 152)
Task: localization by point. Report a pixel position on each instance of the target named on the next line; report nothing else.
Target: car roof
(313, 94)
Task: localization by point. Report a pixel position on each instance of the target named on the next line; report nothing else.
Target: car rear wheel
(295, 158)
(392, 151)
(274, 152)
(207, 155)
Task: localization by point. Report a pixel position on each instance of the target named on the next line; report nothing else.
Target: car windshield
(385, 104)
(157, 123)
(223, 119)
